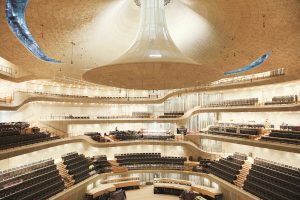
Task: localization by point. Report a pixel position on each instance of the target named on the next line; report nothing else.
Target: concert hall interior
(149, 99)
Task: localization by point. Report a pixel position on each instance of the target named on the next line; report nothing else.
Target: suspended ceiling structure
(113, 43)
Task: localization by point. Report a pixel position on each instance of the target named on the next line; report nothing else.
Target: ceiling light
(153, 61)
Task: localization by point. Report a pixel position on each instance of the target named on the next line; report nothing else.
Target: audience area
(43, 179)
(204, 165)
(78, 166)
(273, 181)
(15, 134)
(282, 136)
(235, 132)
(283, 100)
(171, 115)
(138, 135)
(101, 165)
(98, 137)
(234, 102)
(98, 97)
(228, 168)
(149, 161)
(39, 180)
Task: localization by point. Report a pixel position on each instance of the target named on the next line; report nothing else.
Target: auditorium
(149, 100)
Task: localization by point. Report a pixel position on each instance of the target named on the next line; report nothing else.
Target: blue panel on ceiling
(15, 16)
(252, 65)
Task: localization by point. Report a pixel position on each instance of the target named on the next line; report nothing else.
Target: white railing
(6, 70)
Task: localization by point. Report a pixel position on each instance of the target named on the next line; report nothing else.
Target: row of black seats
(148, 159)
(127, 136)
(158, 137)
(161, 160)
(290, 128)
(204, 165)
(78, 165)
(242, 131)
(12, 141)
(101, 165)
(280, 140)
(99, 138)
(234, 102)
(7, 174)
(77, 117)
(13, 126)
(291, 137)
(141, 155)
(273, 181)
(283, 100)
(228, 168)
(15, 134)
(123, 136)
(39, 180)
(229, 134)
(233, 132)
(141, 114)
(171, 114)
(117, 195)
(172, 191)
(278, 167)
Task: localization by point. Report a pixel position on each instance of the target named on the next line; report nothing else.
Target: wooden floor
(146, 193)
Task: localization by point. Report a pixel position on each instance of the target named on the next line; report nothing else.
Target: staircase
(241, 177)
(67, 178)
(116, 168)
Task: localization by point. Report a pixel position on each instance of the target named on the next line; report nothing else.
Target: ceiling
(223, 34)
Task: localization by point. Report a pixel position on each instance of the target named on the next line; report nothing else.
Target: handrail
(7, 70)
(187, 114)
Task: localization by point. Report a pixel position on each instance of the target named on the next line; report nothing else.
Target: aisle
(146, 193)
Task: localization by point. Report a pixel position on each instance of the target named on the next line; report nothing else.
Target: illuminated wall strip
(252, 65)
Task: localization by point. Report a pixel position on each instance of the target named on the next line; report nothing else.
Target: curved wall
(88, 147)
(230, 192)
(268, 150)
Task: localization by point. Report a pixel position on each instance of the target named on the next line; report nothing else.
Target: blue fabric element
(256, 63)
(15, 16)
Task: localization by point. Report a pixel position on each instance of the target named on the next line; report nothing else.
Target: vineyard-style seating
(78, 165)
(234, 102)
(39, 180)
(280, 140)
(234, 132)
(13, 126)
(101, 164)
(149, 160)
(228, 168)
(126, 135)
(273, 181)
(77, 117)
(158, 137)
(141, 114)
(289, 127)
(171, 115)
(83, 96)
(105, 192)
(17, 134)
(134, 135)
(203, 167)
(291, 137)
(283, 100)
(97, 137)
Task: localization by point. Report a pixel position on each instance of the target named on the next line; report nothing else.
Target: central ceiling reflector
(153, 62)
